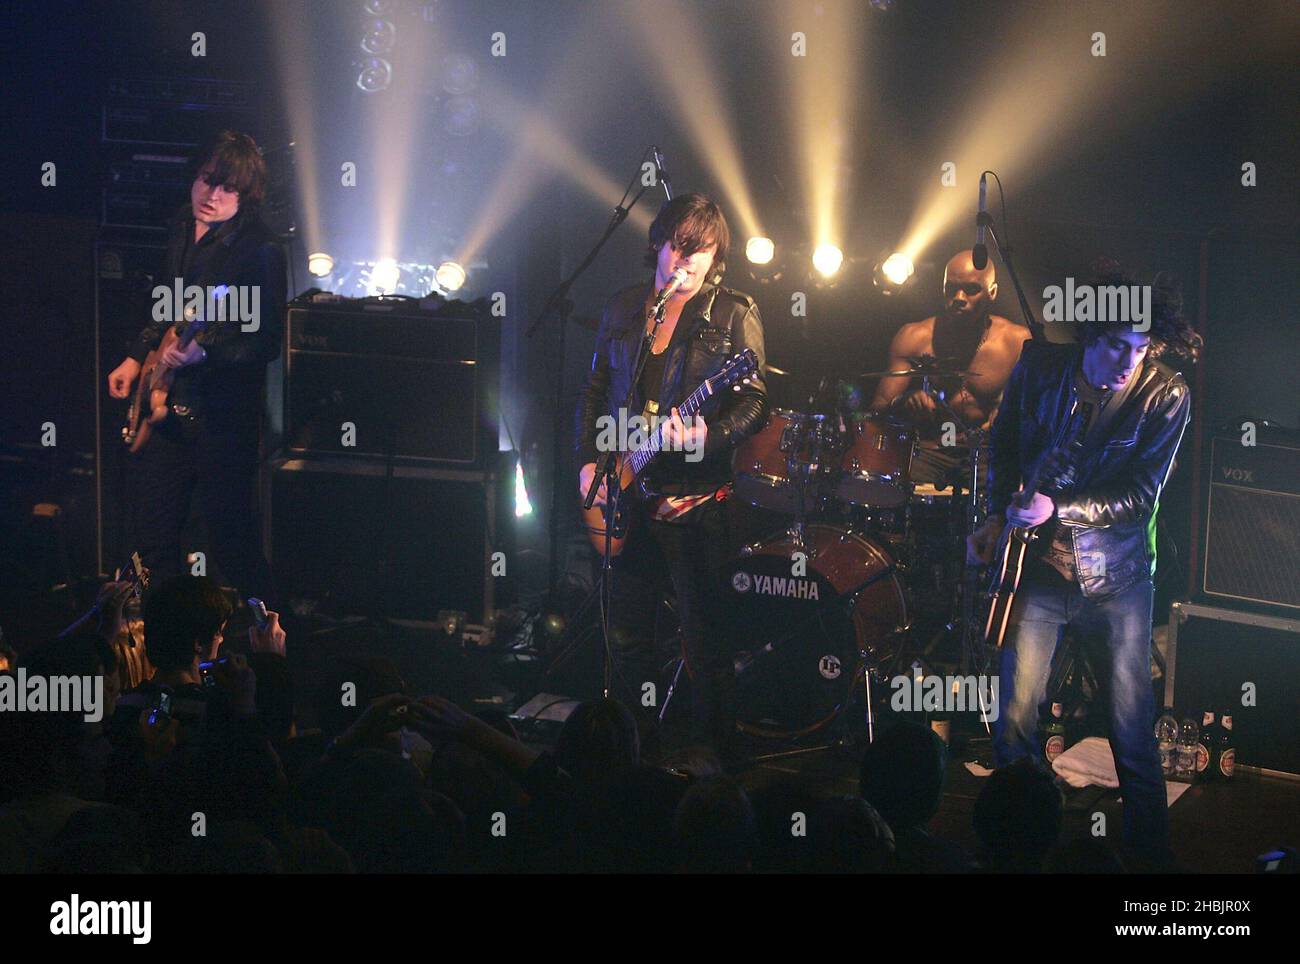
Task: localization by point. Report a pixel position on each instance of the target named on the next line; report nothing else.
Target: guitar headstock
(738, 370)
(135, 575)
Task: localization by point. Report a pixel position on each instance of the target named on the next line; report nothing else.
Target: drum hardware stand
(974, 654)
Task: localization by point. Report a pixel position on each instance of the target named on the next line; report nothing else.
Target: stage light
(380, 7)
(384, 276)
(380, 37)
(522, 506)
(760, 250)
(320, 264)
(376, 75)
(896, 269)
(450, 276)
(827, 259)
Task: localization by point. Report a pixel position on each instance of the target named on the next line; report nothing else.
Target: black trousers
(692, 554)
(218, 463)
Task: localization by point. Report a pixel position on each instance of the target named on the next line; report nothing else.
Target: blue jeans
(1116, 636)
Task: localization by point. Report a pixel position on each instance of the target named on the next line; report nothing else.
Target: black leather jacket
(1111, 508)
(716, 324)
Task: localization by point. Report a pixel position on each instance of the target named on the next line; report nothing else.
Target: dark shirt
(649, 385)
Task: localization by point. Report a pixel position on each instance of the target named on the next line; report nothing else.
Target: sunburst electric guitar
(1014, 543)
(738, 370)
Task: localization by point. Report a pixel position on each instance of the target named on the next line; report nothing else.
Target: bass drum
(803, 625)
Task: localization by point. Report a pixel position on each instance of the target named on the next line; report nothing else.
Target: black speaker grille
(1252, 546)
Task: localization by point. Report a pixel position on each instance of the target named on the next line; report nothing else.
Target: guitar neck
(654, 444)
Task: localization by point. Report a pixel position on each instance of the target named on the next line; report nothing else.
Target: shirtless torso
(990, 353)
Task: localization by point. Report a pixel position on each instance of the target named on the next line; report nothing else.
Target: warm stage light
(827, 259)
(897, 268)
(384, 276)
(760, 250)
(450, 276)
(320, 264)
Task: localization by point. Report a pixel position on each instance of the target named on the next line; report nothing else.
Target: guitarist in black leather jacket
(208, 445)
(682, 533)
(1092, 565)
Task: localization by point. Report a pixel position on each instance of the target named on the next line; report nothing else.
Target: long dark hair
(691, 222)
(1171, 334)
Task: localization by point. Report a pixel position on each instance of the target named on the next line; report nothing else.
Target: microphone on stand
(980, 253)
(660, 173)
(676, 281)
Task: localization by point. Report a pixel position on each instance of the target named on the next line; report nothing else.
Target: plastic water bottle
(1167, 743)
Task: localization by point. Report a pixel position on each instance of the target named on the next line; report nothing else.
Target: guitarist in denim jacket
(1091, 567)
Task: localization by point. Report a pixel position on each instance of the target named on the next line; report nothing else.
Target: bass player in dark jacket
(209, 440)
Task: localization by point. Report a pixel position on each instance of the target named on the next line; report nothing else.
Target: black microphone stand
(985, 220)
(609, 472)
(560, 303)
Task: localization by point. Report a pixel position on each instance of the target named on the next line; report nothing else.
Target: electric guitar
(149, 404)
(1014, 543)
(630, 465)
(136, 582)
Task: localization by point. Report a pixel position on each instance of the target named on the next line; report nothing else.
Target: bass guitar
(149, 404)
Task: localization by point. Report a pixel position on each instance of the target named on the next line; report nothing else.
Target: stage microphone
(660, 173)
(675, 282)
(980, 253)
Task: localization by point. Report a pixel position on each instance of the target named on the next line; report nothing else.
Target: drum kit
(864, 575)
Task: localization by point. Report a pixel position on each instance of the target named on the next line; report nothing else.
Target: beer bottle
(1226, 755)
(1053, 734)
(1204, 745)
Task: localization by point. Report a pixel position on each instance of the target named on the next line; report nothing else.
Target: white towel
(1088, 763)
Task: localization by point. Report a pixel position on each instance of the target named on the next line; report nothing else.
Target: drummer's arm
(890, 389)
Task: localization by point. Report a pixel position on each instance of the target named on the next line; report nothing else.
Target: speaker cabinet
(1251, 530)
(366, 379)
(358, 538)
